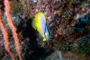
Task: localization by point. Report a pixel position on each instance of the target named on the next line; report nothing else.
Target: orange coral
(7, 10)
(6, 38)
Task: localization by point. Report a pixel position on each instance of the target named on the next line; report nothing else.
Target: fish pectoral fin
(44, 39)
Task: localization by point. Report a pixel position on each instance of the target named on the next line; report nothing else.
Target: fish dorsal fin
(34, 24)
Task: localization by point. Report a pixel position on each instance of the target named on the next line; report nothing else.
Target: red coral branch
(7, 9)
(6, 38)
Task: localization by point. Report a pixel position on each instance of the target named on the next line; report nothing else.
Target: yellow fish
(39, 24)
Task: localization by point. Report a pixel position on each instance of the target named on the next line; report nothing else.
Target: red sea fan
(12, 27)
(7, 13)
(6, 38)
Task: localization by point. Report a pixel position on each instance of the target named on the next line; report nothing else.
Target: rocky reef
(69, 27)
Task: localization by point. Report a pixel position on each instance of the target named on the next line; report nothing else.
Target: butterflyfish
(39, 23)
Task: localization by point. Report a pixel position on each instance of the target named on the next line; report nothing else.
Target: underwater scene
(44, 29)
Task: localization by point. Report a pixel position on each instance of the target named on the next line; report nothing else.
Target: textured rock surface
(68, 21)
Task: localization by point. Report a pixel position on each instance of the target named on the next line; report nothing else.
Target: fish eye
(46, 34)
